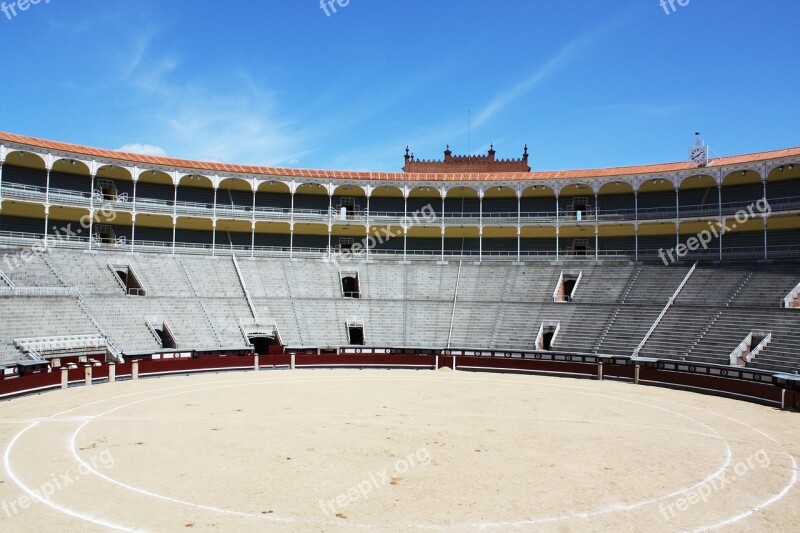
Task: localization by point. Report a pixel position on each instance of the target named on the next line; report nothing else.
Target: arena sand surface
(394, 450)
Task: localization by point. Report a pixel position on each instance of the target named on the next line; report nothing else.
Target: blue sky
(585, 83)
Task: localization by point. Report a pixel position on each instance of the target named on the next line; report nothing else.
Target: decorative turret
(460, 164)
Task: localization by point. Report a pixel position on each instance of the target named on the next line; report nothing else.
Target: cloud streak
(239, 123)
(559, 60)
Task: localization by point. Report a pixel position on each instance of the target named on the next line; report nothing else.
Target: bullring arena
(466, 345)
(409, 450)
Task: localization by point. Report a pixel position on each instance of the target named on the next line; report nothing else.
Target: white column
(213, 237)
(719, 198)
(405, 225)
(46, 223)
(291, 240)
(636, 225)
(47, 207)
(596, 228)
(134, 194)
(480, 227)
(480, 244)
(91, 214)
(174, 217)
(766, 220)
(253, 225)
(443, 198)
(133, 230)
(47, 187)
(133, 215)
(368, 241)
(1, 185)
(519, 227)
(368, 228)
(558, 226)
(677, 218)
(253, 239)
(291, 228)
(214, 208)
(330, 221)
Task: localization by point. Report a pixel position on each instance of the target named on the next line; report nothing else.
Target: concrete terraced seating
(734, 324)
(678, 331)
(625, 329)
(654, 284)
(769, 287)
(26, 269)
(26, 317)
(599, 284)
(460, 304)
(581, 325)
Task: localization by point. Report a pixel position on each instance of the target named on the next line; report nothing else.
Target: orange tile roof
(204, 166)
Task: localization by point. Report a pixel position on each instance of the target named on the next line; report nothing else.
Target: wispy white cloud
(143, 149)
(202, 119)
(550, 67)
(431, 137)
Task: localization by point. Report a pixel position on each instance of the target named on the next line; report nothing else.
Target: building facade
(460, 208)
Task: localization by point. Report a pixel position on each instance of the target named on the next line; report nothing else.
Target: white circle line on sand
(82, 516)
(482, 525)
(561, 387)
(37, 497)
(793, 481)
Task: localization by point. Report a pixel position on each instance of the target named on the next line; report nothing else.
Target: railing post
(87, 375)
(64, 378)
(112, 372)
(256, 364)
(599, 370)
(636, 371)
(135, 370)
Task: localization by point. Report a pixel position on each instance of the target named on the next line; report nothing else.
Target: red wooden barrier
(765, 391)
(30, 382)
(38, 381)
(194, 364)
(534, 365)
(366, 359)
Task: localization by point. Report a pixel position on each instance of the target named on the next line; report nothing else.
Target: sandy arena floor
(380, 450)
